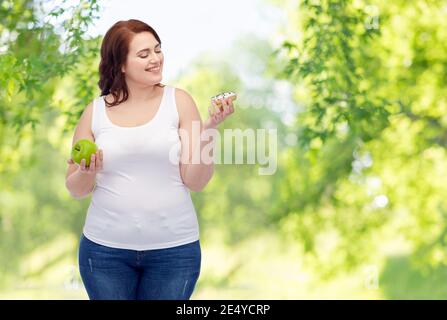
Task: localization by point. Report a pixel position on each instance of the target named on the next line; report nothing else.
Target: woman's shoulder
(182, 94)
(186, 106)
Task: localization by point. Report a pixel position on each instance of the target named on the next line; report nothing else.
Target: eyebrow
(148, 49)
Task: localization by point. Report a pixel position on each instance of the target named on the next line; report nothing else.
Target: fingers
(216, 113)
(82, 165)
(218, 109)
(214, 108)
(217, 104)
(219, 112)
(92, 166)
(96, 163)
(220, 106)
(99, 158)
(230, 107)
(225, 105)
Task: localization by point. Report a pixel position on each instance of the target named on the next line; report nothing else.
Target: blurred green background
(357, 207)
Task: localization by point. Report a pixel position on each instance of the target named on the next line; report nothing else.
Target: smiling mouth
(153, 69)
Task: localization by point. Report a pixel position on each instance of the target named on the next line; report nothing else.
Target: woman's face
(144, 54)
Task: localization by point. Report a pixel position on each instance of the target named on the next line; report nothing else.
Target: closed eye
(147, 55)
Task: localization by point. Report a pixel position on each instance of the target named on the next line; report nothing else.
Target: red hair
(114, 50)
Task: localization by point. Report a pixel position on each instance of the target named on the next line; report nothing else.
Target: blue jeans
(121, 274)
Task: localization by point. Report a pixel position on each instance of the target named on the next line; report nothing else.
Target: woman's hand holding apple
(96, 164)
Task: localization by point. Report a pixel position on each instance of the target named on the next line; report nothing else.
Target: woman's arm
(79, 181)
(195, 172)
(80, 184)
(194, 175)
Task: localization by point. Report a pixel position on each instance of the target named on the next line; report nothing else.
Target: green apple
(83, 149)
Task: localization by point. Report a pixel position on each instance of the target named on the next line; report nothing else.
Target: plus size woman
(140, 239)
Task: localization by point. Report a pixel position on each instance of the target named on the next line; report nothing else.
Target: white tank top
(139, 201)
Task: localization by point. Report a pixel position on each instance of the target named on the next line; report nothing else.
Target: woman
(141, 236)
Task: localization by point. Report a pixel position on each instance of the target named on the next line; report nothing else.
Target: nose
(154, 58)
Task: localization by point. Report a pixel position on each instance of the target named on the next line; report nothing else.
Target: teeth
(152, 69)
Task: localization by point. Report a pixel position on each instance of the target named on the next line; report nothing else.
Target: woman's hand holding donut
(219, 113)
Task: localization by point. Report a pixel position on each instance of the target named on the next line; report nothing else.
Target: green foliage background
(359, 85)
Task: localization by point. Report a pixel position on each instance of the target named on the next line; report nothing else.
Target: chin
(152, 80)
(155, 76)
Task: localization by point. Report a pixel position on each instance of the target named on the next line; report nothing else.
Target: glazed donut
(217, 98)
